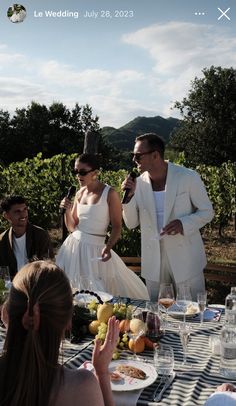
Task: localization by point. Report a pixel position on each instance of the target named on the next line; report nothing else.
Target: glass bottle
(230, 307)
(228, 351)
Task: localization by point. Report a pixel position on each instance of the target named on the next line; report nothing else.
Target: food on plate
(131, 371)
(191, 309)
(115, 377)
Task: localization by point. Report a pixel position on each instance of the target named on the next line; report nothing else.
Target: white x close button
(223, 13)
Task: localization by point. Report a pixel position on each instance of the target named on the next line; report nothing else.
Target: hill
(123, 137)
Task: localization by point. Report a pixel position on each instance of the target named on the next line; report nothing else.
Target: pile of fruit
(2, 291)
(98, 327)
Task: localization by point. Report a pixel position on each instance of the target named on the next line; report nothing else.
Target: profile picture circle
(16, 13)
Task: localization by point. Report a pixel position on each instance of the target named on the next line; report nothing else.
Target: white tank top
(94, 218)
(159, 198)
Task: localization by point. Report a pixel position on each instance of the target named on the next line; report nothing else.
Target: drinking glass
(184, 297)
(166, 297)
(85, 283)
(164, 360)
(184, 333)
(202, 300)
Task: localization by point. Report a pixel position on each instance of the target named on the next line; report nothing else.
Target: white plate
(217, 306)
(177, 311)
(129, 383)
(84, 297)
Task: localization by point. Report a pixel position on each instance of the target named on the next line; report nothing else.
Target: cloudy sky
(134, 59)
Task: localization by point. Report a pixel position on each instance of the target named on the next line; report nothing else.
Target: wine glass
(202, 300)
(85, 283)
(137, 330)
(152, 321)
(166, 297)
(184, 297)
(184, 333)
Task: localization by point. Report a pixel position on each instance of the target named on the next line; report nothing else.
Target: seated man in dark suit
(22, 241)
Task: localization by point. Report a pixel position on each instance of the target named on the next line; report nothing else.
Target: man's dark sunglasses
(138, 155)
(81, 172)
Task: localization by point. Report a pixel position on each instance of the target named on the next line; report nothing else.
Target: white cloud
(175, 46)
(89, 80)
(178, 51)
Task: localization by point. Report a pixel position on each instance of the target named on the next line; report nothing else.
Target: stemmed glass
(202, 300)
(166, 297)
(137, 332)
(184, 297)
(152, 321)
(184, 333)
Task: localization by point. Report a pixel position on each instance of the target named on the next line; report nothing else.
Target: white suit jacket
(186, 199)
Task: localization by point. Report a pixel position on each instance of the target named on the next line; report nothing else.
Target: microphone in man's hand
(125, 199)
(70, 194)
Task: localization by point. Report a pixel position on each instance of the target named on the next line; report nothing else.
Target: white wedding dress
(79, 252)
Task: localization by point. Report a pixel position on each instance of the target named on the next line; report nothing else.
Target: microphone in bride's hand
(125, 199)
(70, 194)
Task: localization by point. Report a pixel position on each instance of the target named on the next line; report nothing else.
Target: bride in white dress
(86, 252)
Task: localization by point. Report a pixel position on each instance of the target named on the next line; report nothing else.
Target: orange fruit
(93, 327)
(149, 343)
(137, 345)
(124, 325)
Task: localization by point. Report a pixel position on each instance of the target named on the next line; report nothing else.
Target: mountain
(123, 138)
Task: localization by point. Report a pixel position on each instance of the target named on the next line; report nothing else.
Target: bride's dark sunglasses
(81, 172)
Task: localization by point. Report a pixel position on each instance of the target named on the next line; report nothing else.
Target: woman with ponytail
(37, 313)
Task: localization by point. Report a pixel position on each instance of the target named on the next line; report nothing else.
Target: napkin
(210, 315)
(124, 398)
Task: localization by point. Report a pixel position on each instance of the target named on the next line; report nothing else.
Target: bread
(131, 371)
(191, 309)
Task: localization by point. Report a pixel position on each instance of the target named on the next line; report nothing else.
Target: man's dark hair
(154, 141)
(9, 201)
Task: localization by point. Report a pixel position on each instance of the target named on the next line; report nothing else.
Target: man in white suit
(170, 204)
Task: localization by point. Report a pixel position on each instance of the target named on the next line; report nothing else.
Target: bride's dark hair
(89, 159)
(39, 308)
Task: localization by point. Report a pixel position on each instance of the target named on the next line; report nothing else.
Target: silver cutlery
(158, 396)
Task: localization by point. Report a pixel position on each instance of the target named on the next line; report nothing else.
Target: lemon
(104, 312)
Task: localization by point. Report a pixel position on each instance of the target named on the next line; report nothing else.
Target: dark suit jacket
(38, 245)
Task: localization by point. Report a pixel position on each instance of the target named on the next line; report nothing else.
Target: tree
(207, 134)
(51, 130)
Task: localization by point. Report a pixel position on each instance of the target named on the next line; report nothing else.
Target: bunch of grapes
(102, 331)
(93, 305)
(123, 341)
(2, 284)
(2, 291)
(122, 311)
